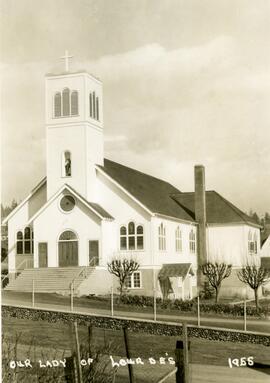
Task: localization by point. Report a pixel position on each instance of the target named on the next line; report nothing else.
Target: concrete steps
(51, 279)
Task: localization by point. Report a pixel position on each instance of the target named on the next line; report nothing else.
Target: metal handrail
(14, 271)
(83, 271)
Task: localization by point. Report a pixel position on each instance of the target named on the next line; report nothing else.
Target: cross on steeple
(66, 58)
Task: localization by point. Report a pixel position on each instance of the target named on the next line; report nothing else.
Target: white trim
(168, 217)
(65, 186)
(124, 190)
(14, 211)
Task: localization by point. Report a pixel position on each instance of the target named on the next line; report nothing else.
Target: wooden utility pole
(78, 356)
(181, 357)
(130, 366)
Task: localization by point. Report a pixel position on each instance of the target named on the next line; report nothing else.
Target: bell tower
(74, 127)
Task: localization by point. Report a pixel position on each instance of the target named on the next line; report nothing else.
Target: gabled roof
(218, 209)
(95, 208)
(152, 192)
(175, 270)
(33, 191)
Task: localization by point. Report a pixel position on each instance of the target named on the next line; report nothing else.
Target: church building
(88, 210)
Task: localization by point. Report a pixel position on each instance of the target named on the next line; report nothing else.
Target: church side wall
(124, 210)
(170, 255)
(53, 221)
(16, 223)
(229, 243)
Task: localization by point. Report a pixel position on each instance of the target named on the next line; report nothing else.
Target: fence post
(112, 301)
(185, 344)
(245, 314)
(130, 366)
(181, 357)
(155, 304)
(198, 311)
(71, 296)
(33, 293)
(78, 356)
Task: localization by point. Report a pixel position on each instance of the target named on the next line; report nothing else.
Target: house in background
(88, 210)
(265, 261)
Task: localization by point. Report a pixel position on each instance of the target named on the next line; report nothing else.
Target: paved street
(47, 301)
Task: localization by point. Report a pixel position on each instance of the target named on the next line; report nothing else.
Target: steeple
(74, 124)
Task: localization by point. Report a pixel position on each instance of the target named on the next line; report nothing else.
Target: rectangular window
(137, 280)
(134, 281)
(139, 242)
(131, 243)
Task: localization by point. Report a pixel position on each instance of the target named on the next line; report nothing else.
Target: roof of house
(218, 209)
(265, 262)
(175, 270)
(152, 192)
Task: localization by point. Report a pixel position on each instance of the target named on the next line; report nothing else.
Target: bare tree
(254, 276)
(122, 269)
(216, 272)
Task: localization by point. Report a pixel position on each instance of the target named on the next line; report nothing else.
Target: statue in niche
(68, 167)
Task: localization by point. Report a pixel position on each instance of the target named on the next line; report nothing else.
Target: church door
(93, 253)
(68, 249)
(42, 254)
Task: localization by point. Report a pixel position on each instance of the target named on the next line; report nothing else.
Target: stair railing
(14, 272)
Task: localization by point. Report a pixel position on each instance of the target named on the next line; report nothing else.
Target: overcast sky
(185, 82)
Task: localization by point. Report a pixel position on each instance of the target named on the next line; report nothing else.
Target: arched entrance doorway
(68, 249)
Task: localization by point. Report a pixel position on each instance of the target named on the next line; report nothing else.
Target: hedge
(150, 327)
(191, 306)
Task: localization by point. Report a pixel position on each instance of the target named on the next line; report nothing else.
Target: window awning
(175, 270)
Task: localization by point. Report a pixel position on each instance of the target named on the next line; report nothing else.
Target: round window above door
(67, 203)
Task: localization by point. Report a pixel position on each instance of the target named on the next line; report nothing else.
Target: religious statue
(68, 167)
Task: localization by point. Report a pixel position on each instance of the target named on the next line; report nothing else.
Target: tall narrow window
(90, 105)
(131, 236)
(139, 232)
(66, 164)
(94, 104)
(255, 243)
(25, 241)
(123, 238)
(66, 102)
(192, 242)
(178, 240)
(19, 245)
(57, 105)
(161, 237)
(74, 103)
(97, 109)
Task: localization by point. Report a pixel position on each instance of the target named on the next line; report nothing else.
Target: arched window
(68, 235)
(252, 243)
(139, 232)
(25, 241)
(66, 102)
(66, 164)
(131, 237)
(178, 240)
(192, 242)
(74, 103)
(162, 237)
(57, 105)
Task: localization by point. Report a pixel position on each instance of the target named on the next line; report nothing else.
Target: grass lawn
(59, 337)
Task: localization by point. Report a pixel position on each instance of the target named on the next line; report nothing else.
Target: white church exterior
(88, 210)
